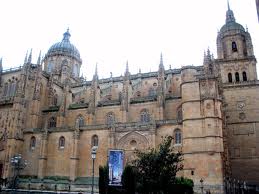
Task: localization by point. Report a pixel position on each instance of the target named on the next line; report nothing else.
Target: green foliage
(184, 181)
(57, 178)
(157, 168)
(103, 179)
(129, 180)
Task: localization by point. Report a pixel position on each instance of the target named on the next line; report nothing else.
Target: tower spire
(127, 68)
(230, 15)
(30, 56)
(39, 58)
(26, 57)
(1, 65)
(161, 65)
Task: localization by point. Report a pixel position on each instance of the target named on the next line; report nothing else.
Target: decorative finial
(127, 66)
(208, 52)
(111, 74)
(230, 15)
(170, 66)
(139, 71)
(66, 36)
(30, 57)
(96, 72)
(26, 56)
(1, 64)
(161, 59)
(39, 58)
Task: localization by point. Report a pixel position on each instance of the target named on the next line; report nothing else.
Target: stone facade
(53, 117)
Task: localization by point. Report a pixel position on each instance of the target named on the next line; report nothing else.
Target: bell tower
(236, 58)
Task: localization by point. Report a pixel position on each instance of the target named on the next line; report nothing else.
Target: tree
(129, 180)
(103, 179)
(156, 169)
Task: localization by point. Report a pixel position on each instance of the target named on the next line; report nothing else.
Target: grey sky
(110, 32)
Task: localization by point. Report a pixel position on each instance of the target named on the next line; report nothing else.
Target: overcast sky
(110, 32)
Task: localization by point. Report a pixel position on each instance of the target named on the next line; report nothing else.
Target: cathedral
(53, 117)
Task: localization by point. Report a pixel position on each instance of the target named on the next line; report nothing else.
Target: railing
(233, 186)
(12, 69)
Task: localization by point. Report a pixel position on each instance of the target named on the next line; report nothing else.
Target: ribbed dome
(64, 48)
(231, 26)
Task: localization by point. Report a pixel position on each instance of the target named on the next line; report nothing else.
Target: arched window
(151, 92)
(234, 46)
(237, 77)
(12, 88)
(49, 67)
(230, 77)
(94, 140)
(110, 118)
(138, 93)
(33, 143)
(61, 142)
(144, 116)
(178, 136)
(75, 70)
(80, 121)
(55, 100)
(244, 76)
(52, 122)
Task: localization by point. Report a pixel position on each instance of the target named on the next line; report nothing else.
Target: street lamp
(201, 181)
(18, 163)
(93, 155)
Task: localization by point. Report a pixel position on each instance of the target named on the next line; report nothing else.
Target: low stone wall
(54, 184)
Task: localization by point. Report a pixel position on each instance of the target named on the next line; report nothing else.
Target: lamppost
(201, 181)
(93, 154)
(18, 163)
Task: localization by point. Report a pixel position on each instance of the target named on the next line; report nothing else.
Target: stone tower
(236, 64)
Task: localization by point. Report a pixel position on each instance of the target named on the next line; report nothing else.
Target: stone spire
(127, 73)
(95, 77)
(1, 65)
(30, 57)
(161, 65)
(39, 59)
(230, 15)
(26, 57)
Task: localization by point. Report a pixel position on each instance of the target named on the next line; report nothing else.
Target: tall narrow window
(144, 116)
(110, 118)
(244, 76)
(61, 142)
(55, 100)
(49, 67)
(237, 77)
(94, 140)
(33, 143)
(52, 122)
(230, 77)
(13, 89)
(234, 47)
(178, 136)
(80, 121)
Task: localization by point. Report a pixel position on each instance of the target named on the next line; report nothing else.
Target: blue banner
(116, 160)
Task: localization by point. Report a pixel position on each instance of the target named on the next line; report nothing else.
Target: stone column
(74, 158)
(43, 155)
